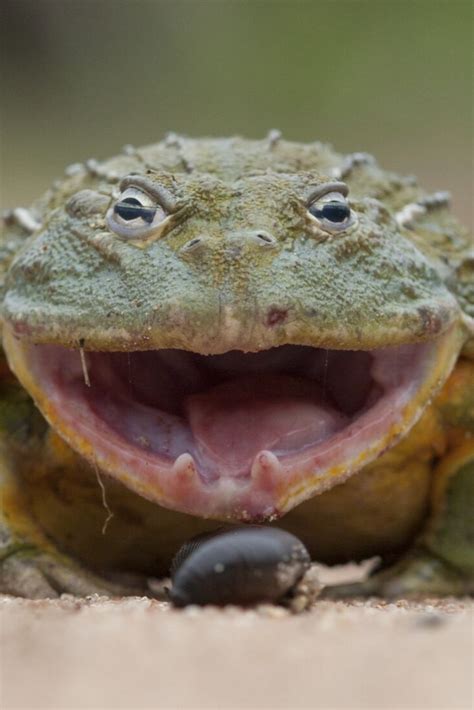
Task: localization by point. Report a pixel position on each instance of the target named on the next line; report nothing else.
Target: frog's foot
(420, 574)
(41, 575)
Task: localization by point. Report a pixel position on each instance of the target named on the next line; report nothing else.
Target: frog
(205, 332)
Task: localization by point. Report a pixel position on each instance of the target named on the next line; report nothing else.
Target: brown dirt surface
(140, 653)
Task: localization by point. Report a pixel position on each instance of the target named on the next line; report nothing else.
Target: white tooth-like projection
(185, 467)
(265, 469)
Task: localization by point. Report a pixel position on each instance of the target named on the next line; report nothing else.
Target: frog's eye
(332, 212)
(135, 214)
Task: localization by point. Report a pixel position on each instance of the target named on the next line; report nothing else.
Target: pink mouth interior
(225, 409)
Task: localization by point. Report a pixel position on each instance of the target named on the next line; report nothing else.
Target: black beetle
(244, 566)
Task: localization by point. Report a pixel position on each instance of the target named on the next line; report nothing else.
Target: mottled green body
(238, 265)
(372, 287)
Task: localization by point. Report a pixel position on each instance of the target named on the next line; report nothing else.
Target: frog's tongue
(233, 421)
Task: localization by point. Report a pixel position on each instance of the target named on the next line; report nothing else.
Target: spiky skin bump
(410, 267)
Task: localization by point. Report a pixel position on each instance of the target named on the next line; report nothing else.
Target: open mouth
(236, 436)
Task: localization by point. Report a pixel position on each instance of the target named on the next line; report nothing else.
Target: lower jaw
(273, 484)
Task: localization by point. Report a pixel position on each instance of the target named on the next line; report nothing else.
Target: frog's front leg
(441, 561)
(30, 564)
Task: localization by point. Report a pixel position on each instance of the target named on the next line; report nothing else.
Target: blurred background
(83, 77)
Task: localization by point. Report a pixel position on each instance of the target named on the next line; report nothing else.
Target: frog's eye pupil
(130, 208)
(332, 212)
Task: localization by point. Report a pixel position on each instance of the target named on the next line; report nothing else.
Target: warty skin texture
(367, 287)
(241, 265)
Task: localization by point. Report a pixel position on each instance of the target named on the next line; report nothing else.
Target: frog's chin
(237, 436)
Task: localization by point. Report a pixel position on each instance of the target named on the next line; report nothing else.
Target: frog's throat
(235, 436)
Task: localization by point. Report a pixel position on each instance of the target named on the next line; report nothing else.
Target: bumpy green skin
(391, 278)
(368, 288)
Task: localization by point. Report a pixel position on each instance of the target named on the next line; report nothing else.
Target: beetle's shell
(244, 566)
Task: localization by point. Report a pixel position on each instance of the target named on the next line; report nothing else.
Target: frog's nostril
(264, 238)
(256, 237)
(192, 245)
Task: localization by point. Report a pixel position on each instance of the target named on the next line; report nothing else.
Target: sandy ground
(139, 653)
